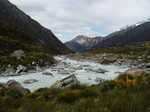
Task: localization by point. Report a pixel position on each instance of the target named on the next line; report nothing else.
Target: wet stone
(30, 81)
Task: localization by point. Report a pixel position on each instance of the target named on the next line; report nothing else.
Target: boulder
(100, 70)
(18, 54)
(147, 65)
(30, 81)
(47, 73)
(13, 83)
(79, 67)
(18, 86)
(63, 72)
(108, 60)
(99, 80)
(21, 68)
(89, 78)
(66, 82)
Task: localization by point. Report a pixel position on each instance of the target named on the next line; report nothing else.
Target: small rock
(47, 73)
(99, 80)
(30, 81)
(79, 67)
(63, 72)
(101, 71)
(86, 65)
(96, 70)
(89, 79)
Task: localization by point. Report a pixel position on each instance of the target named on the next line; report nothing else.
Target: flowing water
(86, 71)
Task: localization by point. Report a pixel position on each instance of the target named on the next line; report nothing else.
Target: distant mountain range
(12, 16)
(132, 34)
(82, 43)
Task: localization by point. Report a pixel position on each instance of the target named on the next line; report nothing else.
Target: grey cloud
(68, 18)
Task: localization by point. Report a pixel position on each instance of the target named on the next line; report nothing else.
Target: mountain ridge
(82, 43)
(130, 35)
(12, 15)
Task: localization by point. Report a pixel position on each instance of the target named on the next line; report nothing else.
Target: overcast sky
(69, 18)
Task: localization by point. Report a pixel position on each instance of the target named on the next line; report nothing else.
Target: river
(86, 72)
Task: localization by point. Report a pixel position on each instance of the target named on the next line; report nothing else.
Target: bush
(69, 96)
(14, 93)
(107, 86)
(77, 86)
(89, 92)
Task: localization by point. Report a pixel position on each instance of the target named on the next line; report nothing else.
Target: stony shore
(137, 66)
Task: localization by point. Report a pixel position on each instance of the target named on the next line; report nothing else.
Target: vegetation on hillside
(133, 52)
(13, 38)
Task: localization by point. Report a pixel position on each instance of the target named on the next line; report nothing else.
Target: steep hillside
(38, 34)
(83, 43)
(18, 48)
(24, 43)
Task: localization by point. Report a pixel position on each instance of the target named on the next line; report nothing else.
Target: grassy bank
(125, 94)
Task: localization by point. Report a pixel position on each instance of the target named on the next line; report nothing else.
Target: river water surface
(86, 71)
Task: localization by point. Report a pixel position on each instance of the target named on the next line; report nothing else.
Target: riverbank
(126, 93)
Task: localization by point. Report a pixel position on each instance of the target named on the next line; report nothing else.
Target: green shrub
(125, 77)
(89, 92)
(14, 93)
(107, 86)
(68, 96)
(77, 86)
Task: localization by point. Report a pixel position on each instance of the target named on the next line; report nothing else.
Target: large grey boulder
(13, 83)
(66, 82)
(18, 86)
(18, 54)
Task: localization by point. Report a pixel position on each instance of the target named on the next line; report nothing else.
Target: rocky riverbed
(87, 72)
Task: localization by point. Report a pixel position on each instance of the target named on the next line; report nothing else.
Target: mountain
(133, 34)
(83, 43)
(24, 43)
(13, 16)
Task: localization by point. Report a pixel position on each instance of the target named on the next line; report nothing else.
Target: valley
(39, 73)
